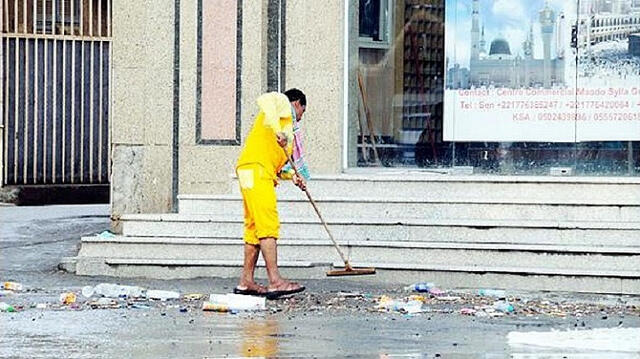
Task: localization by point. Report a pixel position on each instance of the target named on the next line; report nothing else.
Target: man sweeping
(261, 163)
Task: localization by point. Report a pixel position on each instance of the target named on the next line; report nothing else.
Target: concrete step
(435, 187)
(590, 258)
(352, 207)
(447, 277)
(401, 229)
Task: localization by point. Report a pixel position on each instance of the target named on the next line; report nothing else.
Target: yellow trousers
(259, 199)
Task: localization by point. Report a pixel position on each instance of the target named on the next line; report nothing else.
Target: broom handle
(347, 266)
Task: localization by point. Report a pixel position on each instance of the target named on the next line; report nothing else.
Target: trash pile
(117, 296)
(416, 299)
(427, 298)
(8, 289)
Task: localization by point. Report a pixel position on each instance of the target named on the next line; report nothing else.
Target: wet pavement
(333, 318)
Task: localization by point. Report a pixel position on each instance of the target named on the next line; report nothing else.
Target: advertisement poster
(542, 71)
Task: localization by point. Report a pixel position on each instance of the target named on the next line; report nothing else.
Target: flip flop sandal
(248, 291)
(279, 293)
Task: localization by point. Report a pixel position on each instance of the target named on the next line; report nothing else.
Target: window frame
(385, 26)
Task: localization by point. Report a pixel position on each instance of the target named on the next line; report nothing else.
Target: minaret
(475, 31)
(483, 49)
(528, 44)
(547, 24)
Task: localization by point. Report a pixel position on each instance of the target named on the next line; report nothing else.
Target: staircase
(528, 233)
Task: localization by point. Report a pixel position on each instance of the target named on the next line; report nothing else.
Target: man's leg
(251, 241)
(251, 253)
(269, 249)
(267, 224)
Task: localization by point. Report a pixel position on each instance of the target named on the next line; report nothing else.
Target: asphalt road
(318, 323)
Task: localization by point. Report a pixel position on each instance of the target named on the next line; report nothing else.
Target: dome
(499, 46)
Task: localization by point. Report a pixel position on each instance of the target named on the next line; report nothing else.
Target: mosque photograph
(505, 44)
(534, 44)
(608, 43)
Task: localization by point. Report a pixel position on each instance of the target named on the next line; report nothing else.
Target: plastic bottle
(14, 286)
(237, 302)
(497, 293)
(410, 307)
(4, 307)
(114, 290)
(421, 287)
(88, 291)
(162, 294)
(503, 306)
(245, 302)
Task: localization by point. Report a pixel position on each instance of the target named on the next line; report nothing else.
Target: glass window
(374, 23)
(500, 87)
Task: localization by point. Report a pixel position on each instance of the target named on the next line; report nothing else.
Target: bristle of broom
(353, 271)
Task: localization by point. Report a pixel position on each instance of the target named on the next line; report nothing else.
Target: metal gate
(56, 76)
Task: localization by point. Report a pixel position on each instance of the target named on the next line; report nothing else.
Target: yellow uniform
(260, 163)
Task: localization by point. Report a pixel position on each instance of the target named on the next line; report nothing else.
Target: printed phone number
(531, 105)
(572, 116)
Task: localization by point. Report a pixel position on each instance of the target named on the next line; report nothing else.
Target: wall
(143, 97)
(315, 31)
(142, 107)
(207, 168)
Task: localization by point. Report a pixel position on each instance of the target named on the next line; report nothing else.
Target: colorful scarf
(298, 153)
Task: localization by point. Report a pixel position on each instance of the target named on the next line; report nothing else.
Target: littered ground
(321, 322)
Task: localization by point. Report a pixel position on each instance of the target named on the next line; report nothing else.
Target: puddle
(591, 343)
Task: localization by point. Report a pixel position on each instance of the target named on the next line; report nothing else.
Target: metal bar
(73, 94)
(82, 18)
(82, 85)
(45, 98)
(91, 18)
(24, 17)
(100, 116)
(100, 18)
(44, 16)
(36, 131)
(54, 117)
(109, 22)
(5, 107)
(72, 23)
(52, 37)
(25, 140)
(15, 16)
(73, 108)
(63, 133)
(91, 114)
(35, 91)
(34, 17)
(5, 12)
(53, 17)
(15, 108)
(5, 16)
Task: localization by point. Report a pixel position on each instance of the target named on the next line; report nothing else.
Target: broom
(348, 269)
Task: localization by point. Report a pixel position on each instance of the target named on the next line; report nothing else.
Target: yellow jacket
(261, 146)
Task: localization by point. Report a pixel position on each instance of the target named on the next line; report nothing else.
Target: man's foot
(250, 289)
(283, 288)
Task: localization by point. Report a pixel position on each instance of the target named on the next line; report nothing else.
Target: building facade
(518, 180)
